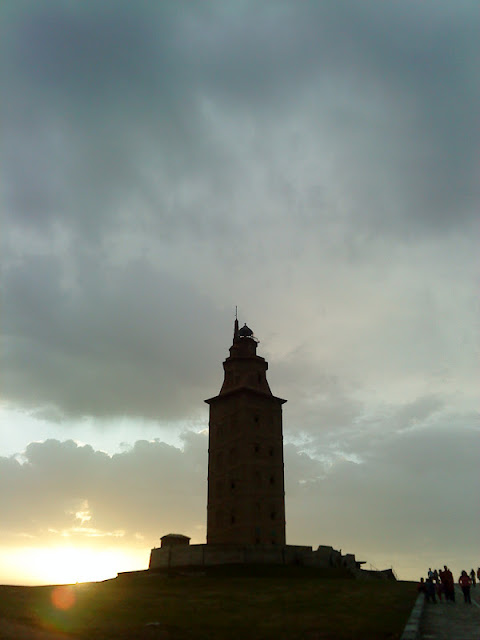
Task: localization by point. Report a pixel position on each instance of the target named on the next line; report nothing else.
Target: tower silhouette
(246, 494)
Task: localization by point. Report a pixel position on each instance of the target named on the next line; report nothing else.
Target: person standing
(421, 586)
(439, 589)
(465, 582)
(472, 577)
(446, 577)
(430, 591)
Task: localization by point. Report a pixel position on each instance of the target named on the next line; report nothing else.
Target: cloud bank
(315, 164)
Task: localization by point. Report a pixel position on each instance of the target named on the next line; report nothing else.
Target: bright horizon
(66, 564)
(32, 566)
(70, 563)
(314, 164)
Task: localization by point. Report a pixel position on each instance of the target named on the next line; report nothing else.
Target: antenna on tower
(235, 326)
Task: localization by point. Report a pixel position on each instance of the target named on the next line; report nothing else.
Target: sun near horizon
(67, 564)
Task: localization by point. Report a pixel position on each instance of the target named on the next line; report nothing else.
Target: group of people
(441, 583)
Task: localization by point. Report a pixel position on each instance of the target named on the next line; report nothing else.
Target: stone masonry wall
(208, 555)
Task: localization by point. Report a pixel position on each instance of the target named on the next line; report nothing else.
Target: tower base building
(207, 555)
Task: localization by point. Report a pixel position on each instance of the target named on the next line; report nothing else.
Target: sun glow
(68, 564)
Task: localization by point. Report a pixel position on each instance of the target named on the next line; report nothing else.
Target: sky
(315, 164)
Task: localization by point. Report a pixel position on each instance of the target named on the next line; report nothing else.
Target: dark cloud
(408, 485)
(383, 96)
(124, 343)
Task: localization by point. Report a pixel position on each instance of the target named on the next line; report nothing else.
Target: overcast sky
(316, 164)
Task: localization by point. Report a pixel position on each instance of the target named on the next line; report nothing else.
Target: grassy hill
(221, 604)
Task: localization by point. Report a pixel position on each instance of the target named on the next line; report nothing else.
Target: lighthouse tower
(246, 494)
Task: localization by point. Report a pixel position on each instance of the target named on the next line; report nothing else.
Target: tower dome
(245, 332)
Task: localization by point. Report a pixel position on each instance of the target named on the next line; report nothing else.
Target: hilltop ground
(278, 603)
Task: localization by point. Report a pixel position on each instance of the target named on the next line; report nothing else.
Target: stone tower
(246, 495)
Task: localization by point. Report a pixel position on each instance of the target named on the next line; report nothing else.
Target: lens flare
(63, 597)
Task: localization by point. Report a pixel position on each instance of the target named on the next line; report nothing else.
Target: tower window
(270, 451)
(256, 448)
(232, 519)
(273, 515)
(272, 480)
(256, 419)
(232, 484)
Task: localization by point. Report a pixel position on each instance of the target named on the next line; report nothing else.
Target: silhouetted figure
(465, 582)
(430, 591)
(421, 588)
(440, 589)
(472, 577)
(448, 584)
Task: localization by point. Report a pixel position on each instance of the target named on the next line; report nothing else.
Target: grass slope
(224, 603)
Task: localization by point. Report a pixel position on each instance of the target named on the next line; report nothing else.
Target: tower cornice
(244, 389)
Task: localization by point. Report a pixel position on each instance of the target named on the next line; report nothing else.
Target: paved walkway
(448, 621)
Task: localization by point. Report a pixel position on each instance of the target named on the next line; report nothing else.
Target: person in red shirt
(465, 582)
(448, 585)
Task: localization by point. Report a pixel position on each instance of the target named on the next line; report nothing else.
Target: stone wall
(198, 555)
